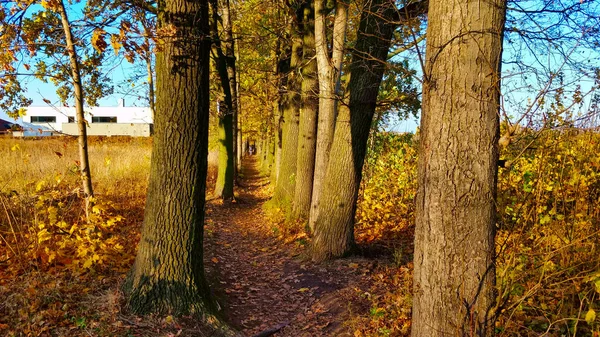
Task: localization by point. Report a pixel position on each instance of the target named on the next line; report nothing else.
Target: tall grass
(120, 166)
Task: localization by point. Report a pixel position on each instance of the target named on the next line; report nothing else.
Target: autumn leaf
(98, 41)
(590, 317)
(44, 235)
(115, 43)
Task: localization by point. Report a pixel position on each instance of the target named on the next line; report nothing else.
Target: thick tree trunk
(334, 226)
(329, 79)
(84, 163)
(454, 278)
(168, 273)
(305, 161)
(286, 180)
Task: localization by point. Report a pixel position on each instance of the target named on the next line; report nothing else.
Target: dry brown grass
(119, 165)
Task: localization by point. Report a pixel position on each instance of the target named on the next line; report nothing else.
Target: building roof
(5, 125)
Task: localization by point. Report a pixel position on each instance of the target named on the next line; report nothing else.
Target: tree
(305, 161)
(330, 70)
(290, 107)
(334, 225)
(42, 42)
(454, 275)
(227, 107)
(168, 273)
(84, 162)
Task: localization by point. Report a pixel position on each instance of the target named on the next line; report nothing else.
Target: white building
(101, 121)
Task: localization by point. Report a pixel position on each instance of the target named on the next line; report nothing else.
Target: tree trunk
(168, 273)
(329, 79)
(305, 161)
(286, 180)
(238, 119)
(454, 277)
(229, 46)
(84, 163)
(334, 226)
(226, 69)
(225, 173)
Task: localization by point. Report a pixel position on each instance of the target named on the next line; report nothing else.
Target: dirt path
(262, 282)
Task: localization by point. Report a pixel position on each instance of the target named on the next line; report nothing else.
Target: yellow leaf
(88, 263)
(301, 290)
(39, 186)
(15, 147)
(169, 319)
(590, 317)
(98, 40)
(44, 235)
(115, 43)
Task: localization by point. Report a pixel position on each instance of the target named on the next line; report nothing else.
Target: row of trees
(325, 62)
(454, 257)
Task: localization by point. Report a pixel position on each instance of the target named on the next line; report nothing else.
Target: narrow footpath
(263, 281)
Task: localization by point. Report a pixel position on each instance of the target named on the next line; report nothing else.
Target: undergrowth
(548, 264)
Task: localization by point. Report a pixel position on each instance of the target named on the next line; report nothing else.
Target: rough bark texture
(329, 79)
(227, 108)
(168, 273)
(305, 166)
(286, 180)
(334, 226)
(84, 168)
(454, 275)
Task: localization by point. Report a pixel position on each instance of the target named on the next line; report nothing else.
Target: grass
(60, 274)
(119, 165)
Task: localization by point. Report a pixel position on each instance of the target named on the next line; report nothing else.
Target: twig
(272, 331)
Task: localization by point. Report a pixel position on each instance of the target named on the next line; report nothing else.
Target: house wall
(110, 129)
(125, 116)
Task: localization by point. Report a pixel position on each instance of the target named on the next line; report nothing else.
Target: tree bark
(286, 180)
(225, 173)
(238, 119)
(226, 69)
(334, 226)
(229, 46)
(306, 147)
(329, 79)
(168, 273)
(454, 277)
(84, 162)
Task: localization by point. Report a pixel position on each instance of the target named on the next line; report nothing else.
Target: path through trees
(262, 282)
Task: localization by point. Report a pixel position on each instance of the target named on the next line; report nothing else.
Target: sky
(518, 90)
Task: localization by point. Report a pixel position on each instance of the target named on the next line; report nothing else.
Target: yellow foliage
(548, 225)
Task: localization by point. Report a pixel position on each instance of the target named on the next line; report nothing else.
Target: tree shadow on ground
(260, 278)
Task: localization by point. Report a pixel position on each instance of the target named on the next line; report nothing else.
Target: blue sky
(518, 90)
